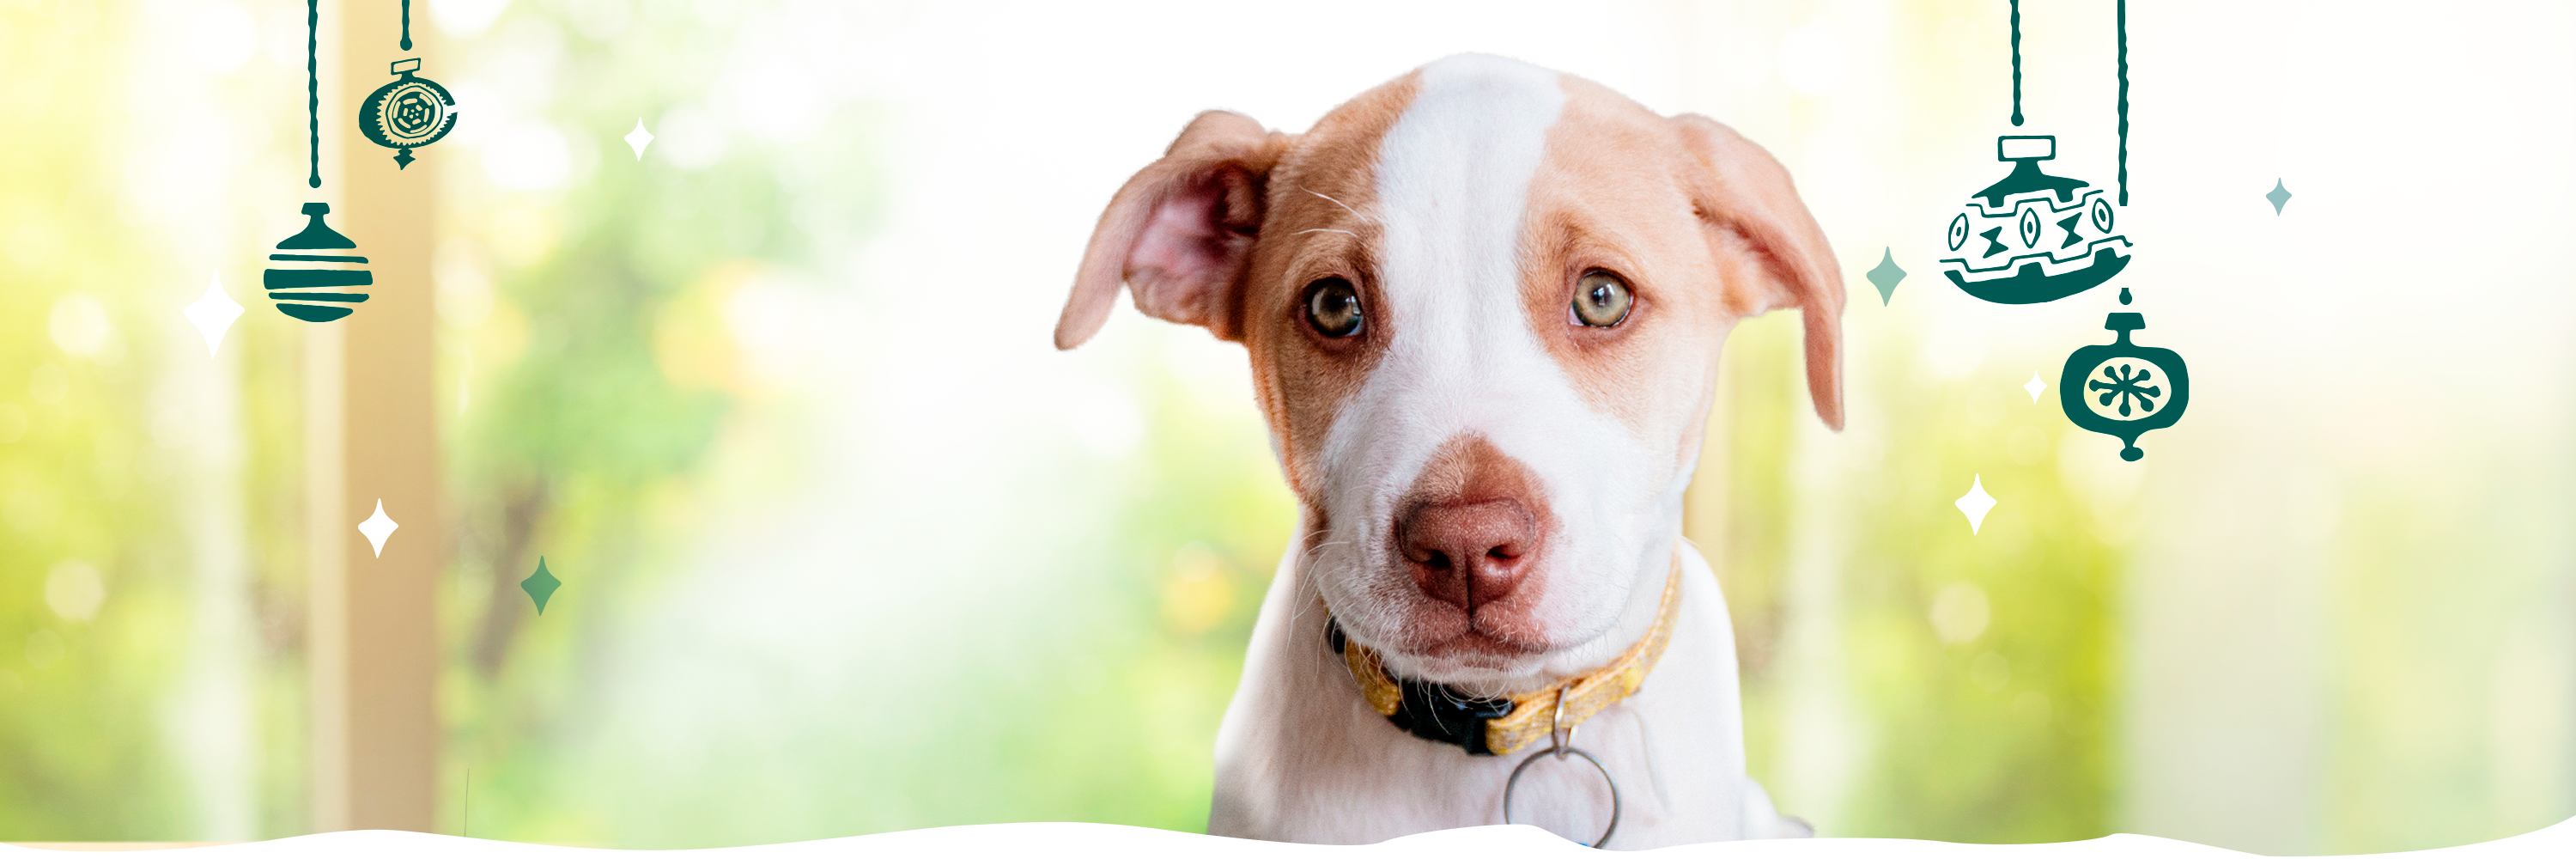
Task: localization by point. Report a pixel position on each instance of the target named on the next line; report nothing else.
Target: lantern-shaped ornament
(2124, 389)
(296, 289)
(407, 114)
(2033, 237)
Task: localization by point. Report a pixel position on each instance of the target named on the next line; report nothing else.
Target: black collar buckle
(1434, 711)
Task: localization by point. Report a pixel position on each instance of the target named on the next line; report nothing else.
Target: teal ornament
(407, 114)
(2124, 389)
(2031, 237)
(296, 288)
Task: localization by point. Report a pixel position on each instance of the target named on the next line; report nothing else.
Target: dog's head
(1483, 304)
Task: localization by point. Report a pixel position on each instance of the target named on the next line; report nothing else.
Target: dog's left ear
(1752, 213)
(1180, 233)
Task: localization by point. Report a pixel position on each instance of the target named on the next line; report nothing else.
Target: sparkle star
(378, 527)
(2280, 196)
(639, 138)
(540, 585)
(1976, 503)
(1885, 276)
(2034, 387)
(214, 314)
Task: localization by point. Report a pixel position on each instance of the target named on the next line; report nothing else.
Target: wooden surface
(372, 436)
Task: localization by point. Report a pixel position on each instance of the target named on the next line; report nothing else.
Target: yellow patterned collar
(1501, 726)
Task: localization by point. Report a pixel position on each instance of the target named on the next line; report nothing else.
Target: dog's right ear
(1181, 232)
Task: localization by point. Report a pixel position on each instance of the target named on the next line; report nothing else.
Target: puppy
(1483, 304)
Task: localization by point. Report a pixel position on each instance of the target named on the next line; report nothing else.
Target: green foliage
(582, 426)
(2001, 736)
(78, 749)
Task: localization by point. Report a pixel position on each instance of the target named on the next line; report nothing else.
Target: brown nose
(1468, 555)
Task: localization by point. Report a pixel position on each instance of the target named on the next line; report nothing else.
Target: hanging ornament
(295, 288)
(2031, 237)
(409, 113)
(2124, 389)
(310, 292)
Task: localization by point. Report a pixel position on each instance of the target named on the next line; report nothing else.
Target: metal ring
(1561, 751)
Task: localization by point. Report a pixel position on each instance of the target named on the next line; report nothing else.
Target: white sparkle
(2035, 387)
(639, 138)
(213, 314)
(1976, 503)
(378, 527)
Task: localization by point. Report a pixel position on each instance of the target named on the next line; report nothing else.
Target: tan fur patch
(1301, 377)
(1621, 191)
(1608, 197)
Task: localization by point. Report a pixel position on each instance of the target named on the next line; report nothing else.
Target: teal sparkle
(2280, 196)
(540, 585)
(1885, 276)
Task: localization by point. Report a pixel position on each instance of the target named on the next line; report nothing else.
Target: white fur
(1453, 184)
(1299, 756)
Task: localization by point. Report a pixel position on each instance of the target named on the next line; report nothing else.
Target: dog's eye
(1601, 299)
(1333, 307)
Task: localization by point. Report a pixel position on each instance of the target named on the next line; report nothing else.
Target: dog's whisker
(1345, 206)
(1307, 591)
(1312, 551)
(1329, 230)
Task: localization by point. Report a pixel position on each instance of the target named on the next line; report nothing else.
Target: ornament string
(406, 42)
(2016, 60)
(313, 89)
(2121, 24)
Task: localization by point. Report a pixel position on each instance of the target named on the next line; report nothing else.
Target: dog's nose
(1468, 555)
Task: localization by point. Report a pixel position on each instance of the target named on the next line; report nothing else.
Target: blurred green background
(846, 548)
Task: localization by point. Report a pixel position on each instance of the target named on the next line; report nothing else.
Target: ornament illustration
(2123, 389)
(407, 114)
(295, 288)
(2032, 237)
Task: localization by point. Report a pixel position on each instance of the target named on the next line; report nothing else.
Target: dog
(1483, 305)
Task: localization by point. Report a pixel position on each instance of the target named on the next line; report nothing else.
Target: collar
(1501, 726)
